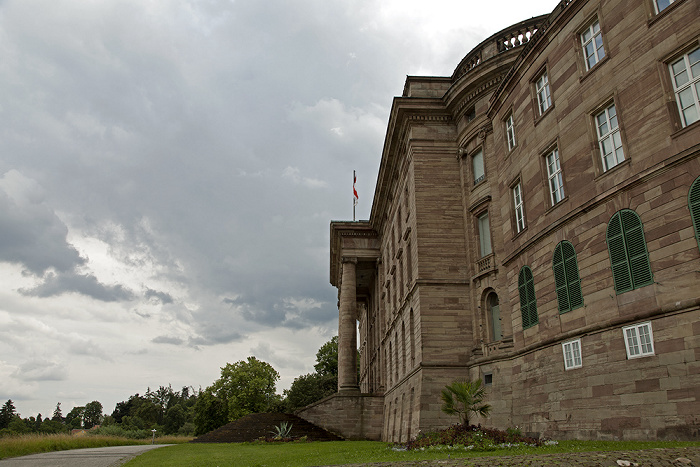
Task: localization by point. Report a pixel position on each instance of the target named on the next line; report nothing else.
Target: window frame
(604, 110)
(629, 262)
(518, 207)
(509, 124)
(545, 90)
(590, 29)
(568, 290)
(472, 157)
(555, 179)
(484, 237)
(692, 84)
(528, 298)
(574, 347)
(636, 349)
(656, 6)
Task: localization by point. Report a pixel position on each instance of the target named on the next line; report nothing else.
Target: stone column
(347, 328)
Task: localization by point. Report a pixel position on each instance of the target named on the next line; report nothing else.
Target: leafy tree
(463, 399)
(92, 415)
(307, 389)
(211, 412)
(247, 387)
(19, 426)
(244, 387)
(52, 426)
(7, 413)
(74, 419)
(57, 415)
(327, 358)
(175, 417)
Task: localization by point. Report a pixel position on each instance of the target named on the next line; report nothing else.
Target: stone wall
(351, 416)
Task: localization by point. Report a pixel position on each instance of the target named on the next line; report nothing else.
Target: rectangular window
(662, 4)
(609, 138)
(519, 208)
(484, 235)
(478, 166)
(639, 340)
(544, 98)
(556, 180)
(685, 73)
(572, 354)
(592, 41)
(510, 132)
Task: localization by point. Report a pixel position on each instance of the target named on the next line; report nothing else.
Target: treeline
(247, 386)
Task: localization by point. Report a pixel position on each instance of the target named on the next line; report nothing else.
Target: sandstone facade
(533, 227)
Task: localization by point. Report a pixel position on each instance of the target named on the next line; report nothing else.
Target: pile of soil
(261, 425)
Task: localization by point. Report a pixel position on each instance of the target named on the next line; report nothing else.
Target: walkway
(91, 457)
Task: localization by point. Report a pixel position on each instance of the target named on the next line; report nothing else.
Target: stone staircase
(261, 425)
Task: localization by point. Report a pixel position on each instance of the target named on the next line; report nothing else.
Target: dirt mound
(259, 425)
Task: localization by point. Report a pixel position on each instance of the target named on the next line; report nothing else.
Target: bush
(473, 437)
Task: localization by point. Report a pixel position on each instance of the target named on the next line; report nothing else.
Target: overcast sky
(169, 169)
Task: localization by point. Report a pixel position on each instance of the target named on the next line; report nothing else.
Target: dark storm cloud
(55, 284)
(161, 297)
(32, 235)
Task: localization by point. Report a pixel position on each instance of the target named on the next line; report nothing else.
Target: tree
(210, 413)
(307, 389)
(327, 358)
(57, 415)
(74, 419)
(92, 415)
(463, 399)
(7, 413)
(244, 387)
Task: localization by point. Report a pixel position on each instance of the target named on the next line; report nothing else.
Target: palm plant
(463, 399)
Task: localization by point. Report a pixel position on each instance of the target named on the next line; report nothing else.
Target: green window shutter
(573, 281)
(629, 257)
(560, 279)
(618, 255)
(636, 249)
(566, 277)
(694, 206)
(528, 302)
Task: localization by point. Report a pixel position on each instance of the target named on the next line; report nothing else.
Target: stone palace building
(535, 225)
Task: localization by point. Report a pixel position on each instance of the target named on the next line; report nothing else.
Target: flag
(354, 191)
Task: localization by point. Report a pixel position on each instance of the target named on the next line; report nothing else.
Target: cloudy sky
(169, 169)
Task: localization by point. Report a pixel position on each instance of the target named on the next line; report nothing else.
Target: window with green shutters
(528, 301)
(694, 206)
(566, 277)
(627, 247)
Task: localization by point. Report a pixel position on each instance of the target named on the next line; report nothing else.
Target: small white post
(153, 441)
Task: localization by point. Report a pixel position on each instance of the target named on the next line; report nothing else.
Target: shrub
(474, 437)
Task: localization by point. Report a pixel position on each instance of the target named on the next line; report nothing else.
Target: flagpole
(354, 201)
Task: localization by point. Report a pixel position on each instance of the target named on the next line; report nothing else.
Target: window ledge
(592, 70)
(627, 161)
(552, 208)
(693, 126)
(539, 118)
(662, 14)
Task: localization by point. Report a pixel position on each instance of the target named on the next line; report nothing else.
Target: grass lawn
(348, 452)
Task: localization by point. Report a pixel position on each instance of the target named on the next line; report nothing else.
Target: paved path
(91, 457)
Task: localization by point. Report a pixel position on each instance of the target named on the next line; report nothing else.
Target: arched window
(627, 247)
(528, 301)
(494, 317)
(566, 277)
(694, 206)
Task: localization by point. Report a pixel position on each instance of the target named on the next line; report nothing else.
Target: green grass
(13, 446)
(350, 452)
